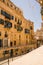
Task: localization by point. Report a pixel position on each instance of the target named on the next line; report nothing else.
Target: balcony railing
(8, 16)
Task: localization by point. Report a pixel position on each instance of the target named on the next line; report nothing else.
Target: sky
(31, 11)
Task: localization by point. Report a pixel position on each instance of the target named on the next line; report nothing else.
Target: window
(14, 42)
(19, 28)
(15, 26)
(27, 31)
(19, 22)
(12, 17)
(19, 39)
(1, 21)
(2, 12)
(5, 14)
(8, 4)
(0, 33)
(11, 44)
(6, 35)
(26, 39)
(11, 5)
(8, 24)
(5, 43)
(31, 27)
(8, 16)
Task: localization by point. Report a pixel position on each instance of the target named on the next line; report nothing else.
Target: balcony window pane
(8, 24)
(27, 31)
(1, 21)
(8, 16)
(12, 17)
(19, 28)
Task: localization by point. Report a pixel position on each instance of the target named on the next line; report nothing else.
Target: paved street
(5, 62)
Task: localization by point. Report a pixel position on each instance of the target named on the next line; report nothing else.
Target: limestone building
(39, 36)
(16, 33)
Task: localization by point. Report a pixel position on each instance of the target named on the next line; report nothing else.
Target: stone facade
(16, 33)
(39, 36)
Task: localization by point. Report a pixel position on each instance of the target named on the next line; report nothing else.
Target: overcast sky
(31, 11)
